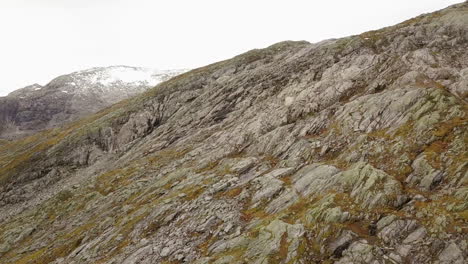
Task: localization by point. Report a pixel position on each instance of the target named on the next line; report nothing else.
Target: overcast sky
(42, 39)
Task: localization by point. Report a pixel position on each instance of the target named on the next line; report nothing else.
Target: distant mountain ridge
(71, 96)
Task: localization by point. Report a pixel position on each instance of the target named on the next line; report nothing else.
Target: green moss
(444, 128)
(32, 257)
(230, 193)
(3, 142)
(64, 195)
(342, 43)
(109, 181)
(253, 213)
(64, 246)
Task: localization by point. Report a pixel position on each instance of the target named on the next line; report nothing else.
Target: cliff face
(347, 151)
(72, 96)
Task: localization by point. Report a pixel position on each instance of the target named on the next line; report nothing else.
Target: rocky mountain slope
(72, 96)
(346, 151)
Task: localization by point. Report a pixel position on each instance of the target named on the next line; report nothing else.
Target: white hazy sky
(42, 39)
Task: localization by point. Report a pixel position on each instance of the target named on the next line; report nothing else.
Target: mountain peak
(72, 96)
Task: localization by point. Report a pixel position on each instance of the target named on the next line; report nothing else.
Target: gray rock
(451, 254)
(222, 164)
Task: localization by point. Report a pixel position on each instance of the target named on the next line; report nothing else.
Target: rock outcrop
(346, 151)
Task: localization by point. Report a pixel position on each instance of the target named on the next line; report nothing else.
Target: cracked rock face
(345, 151)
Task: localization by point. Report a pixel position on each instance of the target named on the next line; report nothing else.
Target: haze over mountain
(350, 150)
(69, 97)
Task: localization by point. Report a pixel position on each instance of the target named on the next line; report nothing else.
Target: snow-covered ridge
(106, 81)
(72, 96)
(126, 74)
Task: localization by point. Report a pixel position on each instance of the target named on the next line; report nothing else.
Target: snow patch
(127, 75)
(117, 79)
